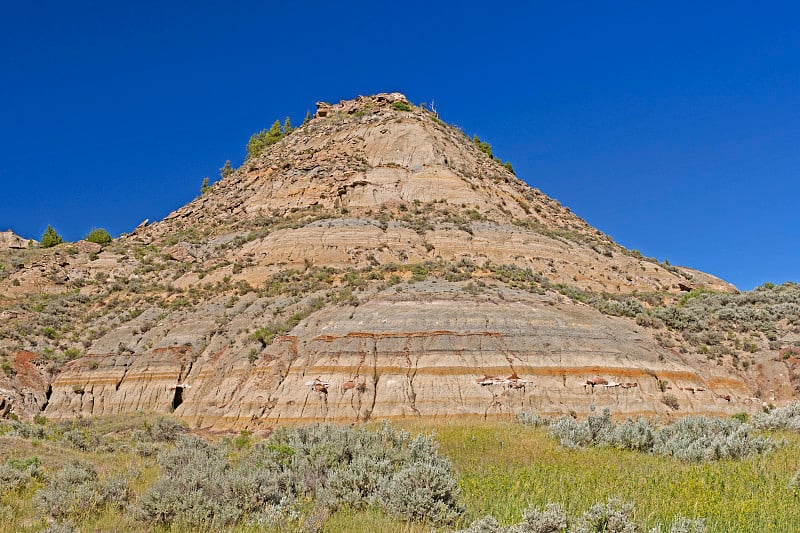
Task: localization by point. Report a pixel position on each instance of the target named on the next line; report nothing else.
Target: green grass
(504, 468)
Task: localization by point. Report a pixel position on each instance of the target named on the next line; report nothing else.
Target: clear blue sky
(674, 127)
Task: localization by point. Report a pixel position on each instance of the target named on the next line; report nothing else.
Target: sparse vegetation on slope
(726, 327)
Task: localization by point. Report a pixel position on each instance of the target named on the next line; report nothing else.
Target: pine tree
(307, 119)
(204, 187)
(287, 126)
(50, 238)
(226, 170)
(256, 144)
(274, 134)
(259, 141)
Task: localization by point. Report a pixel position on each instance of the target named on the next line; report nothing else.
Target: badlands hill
(378, 263)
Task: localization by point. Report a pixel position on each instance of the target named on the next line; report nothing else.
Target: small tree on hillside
(259, 141)
(307, 119)
(274, 134)
(287, 126)
(226, 170)
(50, 238)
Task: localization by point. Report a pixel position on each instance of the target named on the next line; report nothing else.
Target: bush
(794, 484)
(485, 525)
(26, 431)
(201, 487)
(692, 438)
(50, 238)
(483, 146)
(683, 525)
(76, 491)
(226, 170)
(402, 106)
(166, 430)
(530, 418)
(204, 186)
(610, 517)
(197, 488)
(551, 519)
(595, 430)
(422, 491)
(787, 417)
(12, 479)
(99, 236)
(700, 438)
(82, 439)
(671, 401)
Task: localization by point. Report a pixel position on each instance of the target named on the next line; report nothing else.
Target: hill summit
(372, 263)
(11, 241)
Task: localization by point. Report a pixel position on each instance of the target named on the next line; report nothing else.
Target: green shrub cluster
(99, 236)
(236, 482)
(787, 417)
(76, 490)
(263, 139)
(15, 474)
(201, 487)
(691, 438)
(402, 106)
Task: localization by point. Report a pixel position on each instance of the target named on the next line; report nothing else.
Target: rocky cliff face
(373, 263)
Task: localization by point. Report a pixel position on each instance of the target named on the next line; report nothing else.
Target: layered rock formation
(374, 263)
(11, 241)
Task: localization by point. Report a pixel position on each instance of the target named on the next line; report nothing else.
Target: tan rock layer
(416, 353)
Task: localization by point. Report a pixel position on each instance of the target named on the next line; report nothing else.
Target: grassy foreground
(503, 468)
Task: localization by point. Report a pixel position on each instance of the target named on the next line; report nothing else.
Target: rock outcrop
(11, 241)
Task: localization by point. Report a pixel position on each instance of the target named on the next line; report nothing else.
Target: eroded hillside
(377, 263)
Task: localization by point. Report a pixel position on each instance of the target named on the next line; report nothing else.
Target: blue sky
(675, 128)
